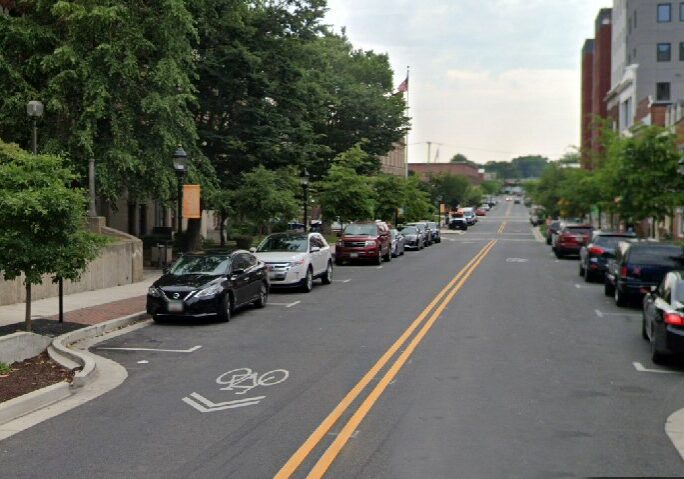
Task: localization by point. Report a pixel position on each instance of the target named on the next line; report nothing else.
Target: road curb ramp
(61, 352)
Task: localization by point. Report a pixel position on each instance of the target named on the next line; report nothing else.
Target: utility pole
(429, 143)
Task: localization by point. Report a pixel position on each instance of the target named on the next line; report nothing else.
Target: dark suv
(366, 241)
(638, 266)
(594, 256)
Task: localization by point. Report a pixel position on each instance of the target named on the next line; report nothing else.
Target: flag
(437, 155)
(403, 86)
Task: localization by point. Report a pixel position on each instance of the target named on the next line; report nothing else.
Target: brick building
(427, 170)
(394, 162)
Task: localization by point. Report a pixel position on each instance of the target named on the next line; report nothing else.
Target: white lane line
(287, 305)
(598, 313)
(578, 286)
(341, 280)
(640, 367)
(191, 350)
(203, 405)
(601, 314)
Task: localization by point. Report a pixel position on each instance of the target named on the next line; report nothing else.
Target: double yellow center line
(502, 227)
(436, 307)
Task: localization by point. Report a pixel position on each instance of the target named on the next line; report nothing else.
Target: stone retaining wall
(119, 263)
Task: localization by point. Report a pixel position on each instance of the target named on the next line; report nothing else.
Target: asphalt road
(519, 369)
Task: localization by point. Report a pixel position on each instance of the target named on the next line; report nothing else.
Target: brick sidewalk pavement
(104, 312)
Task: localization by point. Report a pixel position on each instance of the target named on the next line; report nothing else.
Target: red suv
(364, 240)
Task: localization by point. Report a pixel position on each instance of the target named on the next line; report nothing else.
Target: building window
(664, 12)
(663, 91)
(664, 52)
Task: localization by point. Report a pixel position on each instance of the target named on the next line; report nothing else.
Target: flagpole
(406, 140)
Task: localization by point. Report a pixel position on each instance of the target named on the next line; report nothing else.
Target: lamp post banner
(191, 201)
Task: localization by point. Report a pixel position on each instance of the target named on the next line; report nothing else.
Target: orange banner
(442, 208)
(191, 201)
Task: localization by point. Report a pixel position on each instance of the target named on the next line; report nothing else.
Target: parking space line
(341, 280)
(287, 305)
(640, 367)
(601, 314)
(191, 350)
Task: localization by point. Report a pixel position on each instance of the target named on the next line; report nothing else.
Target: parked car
(638, 266)
(570, 239)
(480, 212)
(424, 231)
(458, 223)
(413, 237)
(398, 240)
(595, 255)
(296, 259)
(209, 285)
(469, 215)
(662, 322)
(436, 236)
(516, 201)
(485, 206)
(552, 229)
(365, 241)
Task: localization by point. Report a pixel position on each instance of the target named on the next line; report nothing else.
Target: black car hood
(184, 281)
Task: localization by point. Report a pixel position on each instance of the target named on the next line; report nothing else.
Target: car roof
(620, 234)
(217, 252)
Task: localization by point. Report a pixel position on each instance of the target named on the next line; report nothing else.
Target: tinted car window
(361, 229)
(608, 241)
(283, 243)
(242, 261)
(217, 264)
(576, 230)
(668, 256)
(679, 291)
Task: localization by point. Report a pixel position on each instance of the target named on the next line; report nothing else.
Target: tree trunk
(27, 319)
(192, 235)
(221, 229)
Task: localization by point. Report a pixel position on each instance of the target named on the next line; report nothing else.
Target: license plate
(353, 255)
(175, 306)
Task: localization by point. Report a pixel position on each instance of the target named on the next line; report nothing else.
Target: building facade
(587, 100)
(427, 170)
(394, 162)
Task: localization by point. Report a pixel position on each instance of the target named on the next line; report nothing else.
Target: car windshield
(409, 230)
(214, 264)
(361, 230)
(667, 256)
(283, 243)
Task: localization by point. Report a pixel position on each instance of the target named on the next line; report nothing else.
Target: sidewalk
(89, 307)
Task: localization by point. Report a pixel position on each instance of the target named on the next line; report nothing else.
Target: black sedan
(413, 238)
(209, 285)
(663, 317)
(594, 256)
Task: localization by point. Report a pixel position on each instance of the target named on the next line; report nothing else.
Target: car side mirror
(252, 249)
(315, 249)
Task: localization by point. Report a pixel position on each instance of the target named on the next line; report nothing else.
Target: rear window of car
(667, 256)
(609, 241)
(578, 231)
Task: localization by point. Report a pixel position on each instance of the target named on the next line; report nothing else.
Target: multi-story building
(648, 61)
(394, 162)
(428, 170)
(596, 78)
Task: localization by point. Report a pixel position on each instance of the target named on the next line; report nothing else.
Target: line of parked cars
(216, 284)
(633, 271)
(463, 218)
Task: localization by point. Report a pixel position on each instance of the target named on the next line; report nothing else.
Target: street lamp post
(304, 180)
(180, 166)
(34, 109)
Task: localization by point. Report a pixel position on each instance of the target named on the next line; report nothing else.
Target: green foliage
(491, 187)
(390, 194)
(265, 196)
(459, 158)
(453, 189)
(4, 368)
(473, 196)
(530, 166)
(346, 195)
(42, 227)
(417, 205)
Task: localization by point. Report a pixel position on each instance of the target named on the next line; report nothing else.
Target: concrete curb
(22, 405)
(537, 234)
(60, 351)
(674, 428)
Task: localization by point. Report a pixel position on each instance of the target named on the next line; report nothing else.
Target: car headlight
(210, 291)
(370, 243)
(154, 292)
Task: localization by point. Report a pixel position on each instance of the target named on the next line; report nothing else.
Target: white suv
(296, 259)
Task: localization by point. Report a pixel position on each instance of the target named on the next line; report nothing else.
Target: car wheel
(338, 262)
(588, 276)
(378, 260)
(644, 334)
(156, 318)
(307, 282)
(548, 240)
(388, 256)
(608, 289)
(225, 309)
(328, 276)
(558, 254)
(620, 299)
(263, 296)
(582, 271)
(656, 356)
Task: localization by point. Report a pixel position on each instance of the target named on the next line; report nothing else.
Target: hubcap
(309, 280)
(330, 272)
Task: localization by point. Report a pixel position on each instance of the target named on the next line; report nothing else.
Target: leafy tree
(417, 205)
(473, 195)
(42, 227)
(529, 166)
(459, 158)
(390, 194)
(491, 187)
(346, 195)
(452, 188)
(264, 196)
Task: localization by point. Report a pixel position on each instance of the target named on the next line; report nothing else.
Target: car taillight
(596, 250)
(623, 272)
(675, 319)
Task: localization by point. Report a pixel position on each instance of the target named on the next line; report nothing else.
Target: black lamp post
(34, 109)
(304, 180)
(180, 166)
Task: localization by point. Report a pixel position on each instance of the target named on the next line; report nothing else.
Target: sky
(491, 79)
